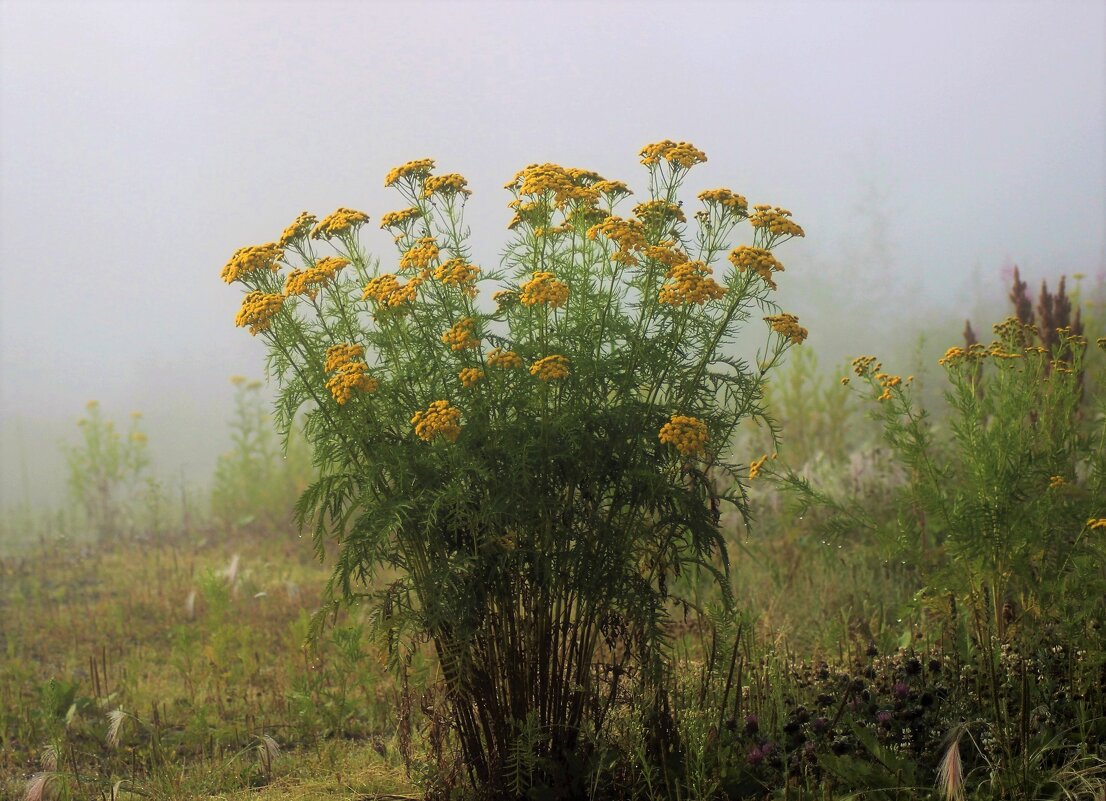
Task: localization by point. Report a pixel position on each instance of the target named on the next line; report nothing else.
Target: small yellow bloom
(679, 154)
(461, 336)
(258, 310)
(469, 376)
(300, 228)
(506, 359)
(686, 434)
(339, 222)
(759, 260)
(551, 368)
(1056, 482)
(439, 420)
(458, 272)
(787, 325)
(690, 282)
(250, 259)
(308, 282)
(659, 212)
(446, 185)
(543, 288)
(420, 255)
(731, 202)
(756, 465)
(418, 169)
(775, 222)
(346, 362)
(396, 219)
(1099, 522)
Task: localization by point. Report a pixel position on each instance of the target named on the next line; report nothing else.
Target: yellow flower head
(659, 212)
(469, 376)
(505, 359)
(774, 222)
(420, 255)
(342, 354)
(1055, 482)
(299, 229)
(505, 298)
(397, 219)
(1099, 522)
(687, 434)
(446, 185)
(564, 185)
(611, 188)
(690, 282)
(543, 288)
(461, 335)
(730, 201)
(756, 465)
(677, 154)
(787, 325)
(439, 420)
(339, 222)
(346, 362)
(865, 365)
(759, 260)
(386, 290)
(258, 310)
(418, 169)
(308, 282)
(629, 235)
(250, 259)
(665, 253)
(458, 272)
(551, 368)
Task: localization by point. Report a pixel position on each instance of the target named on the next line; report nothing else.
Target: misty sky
(924, 147)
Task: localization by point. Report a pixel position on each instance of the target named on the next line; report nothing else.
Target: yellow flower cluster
(665, 253)
(563, 184)
(469, 376)
(611, 188)
(543, 288)
(386, 290)
(346, 362)
(1099, 522)
(507, 359)
(440, 419)
(659, 212)
(776, 221)
(249, 259)
(1055, 482)
(583, 217)
(420, 168)
(687, 434)
(420, 255)
(461, 336)
(505, 297)
(448, 185)
(730, 201)
(550, 368)
(690, 282)
(459, 273)
(308, 282)
(787, 325)
(759, 260)
(887, 383)
(756, 465)
(865, 365)
(680, 154)
(395, 219)
(258, 310)
(629, 235)
(339, 222)
(300, 227)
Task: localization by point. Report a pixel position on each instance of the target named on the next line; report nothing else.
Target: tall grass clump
(536, 471)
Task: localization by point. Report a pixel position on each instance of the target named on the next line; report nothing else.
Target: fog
(925, 148)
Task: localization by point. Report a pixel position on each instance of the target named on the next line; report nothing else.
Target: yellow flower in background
(1055, 482)
(461, 336)
(759, 260)
(551, 368)
(447, 185)
(679, 154)
(611, 188)
(629, 235)
(257, 311)
(689, 283)
(395, 219)
(659, 212)
(543, 288)
(419, 256)
(787, 325)
(469, 376)
(687, 434)
(504, 358)
(298, 230)
(418, 169)
(665, 253)
(340, 221)
(458, 272)
(251, 259)
(439, 420)
(1099, 522)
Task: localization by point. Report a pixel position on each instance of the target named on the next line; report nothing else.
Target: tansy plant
(535, 468)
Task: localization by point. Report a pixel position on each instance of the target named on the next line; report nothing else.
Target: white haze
(925, 147)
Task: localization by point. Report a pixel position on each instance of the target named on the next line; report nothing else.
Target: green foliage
(257, 481)
(537, 518)
(107, 470)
